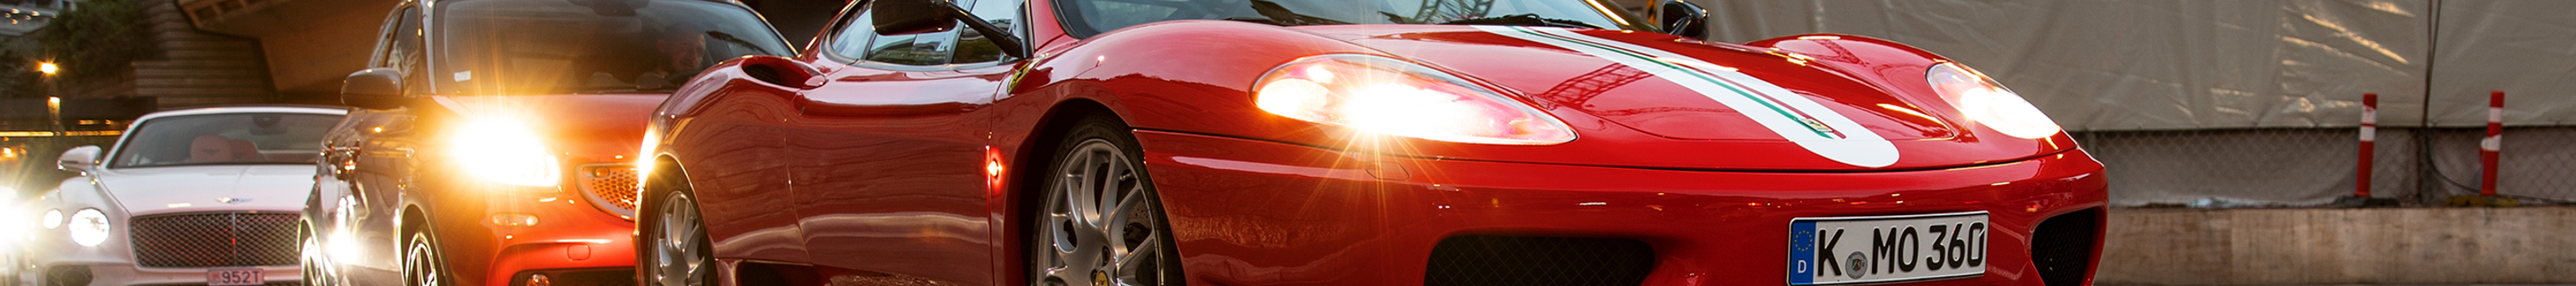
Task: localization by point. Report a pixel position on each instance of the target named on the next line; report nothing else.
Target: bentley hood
(1682, 103)
(143, 191)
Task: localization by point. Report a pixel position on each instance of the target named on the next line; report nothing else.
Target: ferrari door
(888, 174)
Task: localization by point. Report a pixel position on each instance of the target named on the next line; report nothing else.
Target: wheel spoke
(1136, 257)
(1105, 188)
(1075, 203)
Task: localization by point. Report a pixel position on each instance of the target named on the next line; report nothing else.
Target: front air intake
(1551, 261)
(218, 239)
(2062, 247)
(611, 187)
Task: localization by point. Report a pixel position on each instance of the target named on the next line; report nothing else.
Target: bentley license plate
(1881, 249)
(235, 276)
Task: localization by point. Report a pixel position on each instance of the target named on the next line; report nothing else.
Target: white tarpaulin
(2526, 48)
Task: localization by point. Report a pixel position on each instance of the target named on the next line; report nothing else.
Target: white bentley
(204, 196)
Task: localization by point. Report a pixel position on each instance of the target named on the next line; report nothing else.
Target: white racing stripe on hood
(1792, 116)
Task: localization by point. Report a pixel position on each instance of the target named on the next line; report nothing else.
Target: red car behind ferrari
(1337, 142)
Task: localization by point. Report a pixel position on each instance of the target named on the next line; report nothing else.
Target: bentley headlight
(52, 219)
(89, 227)
(505, 151)
(1988, 103)
(1393, 97)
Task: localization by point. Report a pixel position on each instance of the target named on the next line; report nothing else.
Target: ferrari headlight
(88, 227)
(1988, 103)
(505, 151)
(1393, 97)
(52, 219)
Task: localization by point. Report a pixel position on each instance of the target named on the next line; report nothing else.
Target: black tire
(1098, 151)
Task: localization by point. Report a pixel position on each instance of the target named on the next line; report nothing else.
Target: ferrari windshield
(213, 139)
(1089, 17)
(589, 46)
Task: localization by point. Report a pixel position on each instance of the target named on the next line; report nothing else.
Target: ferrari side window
(850, 39)
(972, 46)
(856, 40)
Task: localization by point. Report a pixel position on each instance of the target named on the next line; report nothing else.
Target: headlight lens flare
(1387, 96)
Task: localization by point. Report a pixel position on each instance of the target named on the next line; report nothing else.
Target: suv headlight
(505, 151)
(1393, 97)
(89, 227)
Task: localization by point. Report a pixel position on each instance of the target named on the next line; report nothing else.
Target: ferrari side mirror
(1681, 18)
(78, 159)
(906, 17)
(376, 88)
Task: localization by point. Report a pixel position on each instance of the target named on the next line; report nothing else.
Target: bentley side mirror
(906, 17)
(1681, 18)
(376, 88)
(78, 159)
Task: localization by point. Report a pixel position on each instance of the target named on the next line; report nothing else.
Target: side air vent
(609, 186)
(1550, 261)
(2062, 247)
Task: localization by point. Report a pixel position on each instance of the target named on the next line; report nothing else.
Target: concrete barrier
(2535, 245)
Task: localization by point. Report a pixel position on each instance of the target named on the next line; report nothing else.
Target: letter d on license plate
(235, 276)
(1880, 249)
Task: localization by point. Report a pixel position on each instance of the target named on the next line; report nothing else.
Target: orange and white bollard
(2369, 137)
(2489, 148)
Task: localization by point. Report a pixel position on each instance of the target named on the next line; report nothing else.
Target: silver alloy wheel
(679, 251)
(1097, 195)
(421, 263)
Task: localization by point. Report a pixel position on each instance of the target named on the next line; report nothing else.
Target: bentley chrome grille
(220, 239)
(611, 187)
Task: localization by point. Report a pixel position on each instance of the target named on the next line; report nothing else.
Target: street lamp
(53, 101)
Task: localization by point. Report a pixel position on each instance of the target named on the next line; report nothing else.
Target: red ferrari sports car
(1338, 142)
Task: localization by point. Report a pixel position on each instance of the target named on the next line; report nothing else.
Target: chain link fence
(2296, 167)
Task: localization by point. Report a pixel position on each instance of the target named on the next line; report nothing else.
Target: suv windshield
(589, 46)
(1090, 17)
(237, 138)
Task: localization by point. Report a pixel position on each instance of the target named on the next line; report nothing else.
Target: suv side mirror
(1681, 18)
(906, 17)
(376, 88)
(78, 159)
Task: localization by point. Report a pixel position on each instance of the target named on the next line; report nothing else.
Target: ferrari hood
(587, 128)
(209, 188)
(1672, 89)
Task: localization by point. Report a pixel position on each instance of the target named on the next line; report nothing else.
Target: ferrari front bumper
(1250, 212)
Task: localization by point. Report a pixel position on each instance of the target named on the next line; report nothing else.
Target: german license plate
(1881, 249)
(235, 276)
